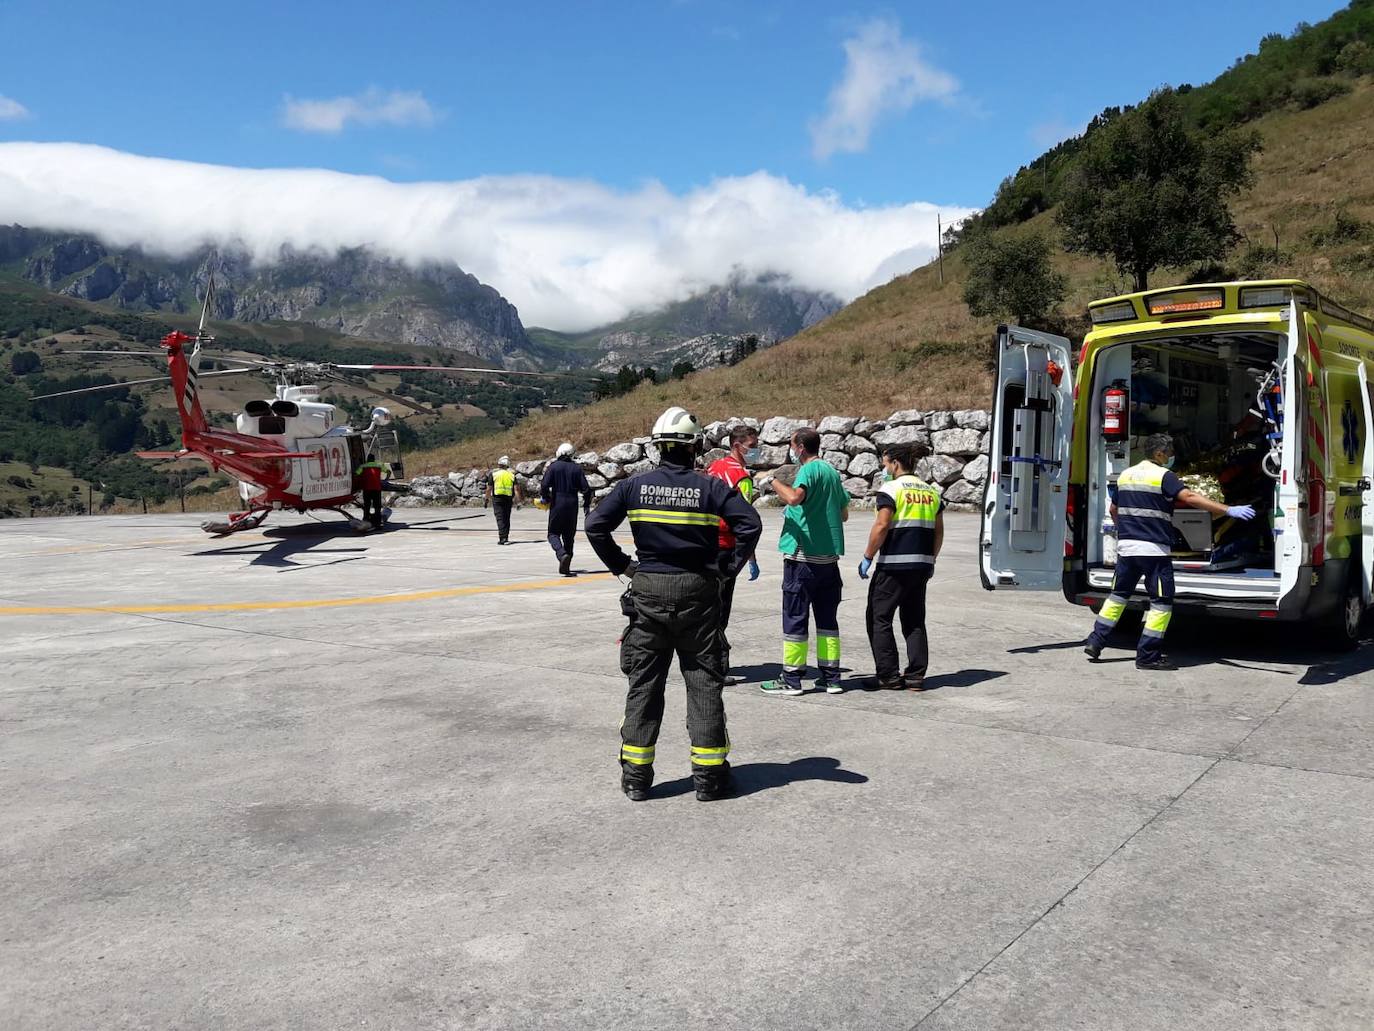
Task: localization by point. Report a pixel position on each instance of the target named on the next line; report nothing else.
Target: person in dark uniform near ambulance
(563, 484)
(908, 531)
(1143, 511)
(675, 514)
(503, 492)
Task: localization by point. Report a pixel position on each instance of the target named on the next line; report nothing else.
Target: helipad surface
(301, 778)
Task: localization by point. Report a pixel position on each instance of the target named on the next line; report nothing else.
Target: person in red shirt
(370, 475)
(734, 470)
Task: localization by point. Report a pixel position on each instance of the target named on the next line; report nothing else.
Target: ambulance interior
(1203, 390)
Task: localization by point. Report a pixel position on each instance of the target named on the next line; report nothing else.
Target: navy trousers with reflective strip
(1158, 574)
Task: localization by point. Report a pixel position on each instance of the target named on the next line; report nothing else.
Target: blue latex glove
(864, 567)
(753, 569)
(1242, 512)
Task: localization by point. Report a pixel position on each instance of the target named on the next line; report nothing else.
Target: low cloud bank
(571, 254)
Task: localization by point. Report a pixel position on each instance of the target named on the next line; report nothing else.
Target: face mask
(1169, 462)
(752, 455)
(887, 476)
(791, 457)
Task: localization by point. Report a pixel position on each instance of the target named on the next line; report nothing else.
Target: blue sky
(870, 105)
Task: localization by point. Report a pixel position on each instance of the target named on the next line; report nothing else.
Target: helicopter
(288, 453)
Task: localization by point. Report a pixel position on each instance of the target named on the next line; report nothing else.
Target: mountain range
(362, 294)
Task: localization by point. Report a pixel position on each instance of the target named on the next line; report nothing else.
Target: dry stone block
(939, 421)
(855, 444)
(964, 493)
(977, 470)
(971, 419)
(610, 470)
(907, 417)
(857, 487)
(596, 481)
(642, 466)
(714, 455)
(838, 459)
(832, 442)
(868, 427)
(909, 434)
(841, 424)
(779, 430)
(864, 464)
(945, 469)
(958, 442)
(623, 453)
(588, 460)
(922, 470)
(530, 468)
(769, 457)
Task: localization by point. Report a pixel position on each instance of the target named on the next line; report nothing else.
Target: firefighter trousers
(674, 614)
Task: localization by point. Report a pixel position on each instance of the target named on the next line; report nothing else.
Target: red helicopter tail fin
(184, 369)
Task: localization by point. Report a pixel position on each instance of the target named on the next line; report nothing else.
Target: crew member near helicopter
(1143, 511)
(502, 492)
(564, 482)
(675, 514)
(370, 475)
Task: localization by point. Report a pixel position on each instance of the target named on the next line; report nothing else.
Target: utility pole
(940, 244)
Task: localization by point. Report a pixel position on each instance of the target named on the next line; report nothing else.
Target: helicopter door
(1024, 517)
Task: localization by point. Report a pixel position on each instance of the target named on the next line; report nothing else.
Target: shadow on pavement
(963, 678)
(751, 778)
(286, 542)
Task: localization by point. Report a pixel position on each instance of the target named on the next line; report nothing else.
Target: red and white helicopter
(291, 452)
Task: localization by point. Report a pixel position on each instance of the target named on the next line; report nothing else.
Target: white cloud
(371, 107)
(883, 74)
(11, 110)
(570, 254)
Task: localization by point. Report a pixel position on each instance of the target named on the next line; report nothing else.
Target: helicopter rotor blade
(255, 363)
(133, 383)
(209, 295)
(383, 393)
(442, 368)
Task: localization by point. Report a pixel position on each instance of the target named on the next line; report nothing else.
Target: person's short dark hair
(808, 440)
(742, 433)
(1158, 442)
(906, 455)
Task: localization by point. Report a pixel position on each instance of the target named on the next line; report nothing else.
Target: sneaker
(1092, 651)
(1163, 664)
(565, 564)
(834, 687)
(887, 685)
(781, 687)
(915, 685)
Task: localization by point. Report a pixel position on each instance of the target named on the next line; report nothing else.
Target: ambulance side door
(1367, 487)
(1021, 545)
(1293, 546)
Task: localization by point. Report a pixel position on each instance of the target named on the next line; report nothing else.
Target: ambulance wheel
(1343, 630)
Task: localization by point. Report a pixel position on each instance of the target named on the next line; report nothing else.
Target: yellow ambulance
(1265, 388)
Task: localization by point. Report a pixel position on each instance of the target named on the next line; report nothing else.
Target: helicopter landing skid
(236, 521)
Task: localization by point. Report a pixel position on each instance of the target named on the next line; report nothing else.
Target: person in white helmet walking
(563, 484)
(503, 493)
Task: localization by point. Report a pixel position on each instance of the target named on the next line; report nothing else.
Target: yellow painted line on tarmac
(309, 603)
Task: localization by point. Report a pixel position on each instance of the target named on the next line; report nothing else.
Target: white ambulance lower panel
(1256, 585)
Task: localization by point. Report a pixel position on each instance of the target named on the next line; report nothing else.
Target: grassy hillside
(912, 343)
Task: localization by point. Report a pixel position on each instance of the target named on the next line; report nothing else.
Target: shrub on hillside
(1012, 277)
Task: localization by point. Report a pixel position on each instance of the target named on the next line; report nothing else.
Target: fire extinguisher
(1115, 403)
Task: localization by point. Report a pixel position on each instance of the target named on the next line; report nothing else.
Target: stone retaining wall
(957, 442)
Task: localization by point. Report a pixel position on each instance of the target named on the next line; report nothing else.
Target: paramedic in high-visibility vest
(503, 492)
(908, 531)
(1143, 512)
(733, 470)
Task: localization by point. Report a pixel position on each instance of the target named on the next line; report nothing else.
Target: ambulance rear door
(1024, 516)
(1293, 544)
(1367, 488)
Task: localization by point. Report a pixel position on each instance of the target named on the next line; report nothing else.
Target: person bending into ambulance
(1143, 512)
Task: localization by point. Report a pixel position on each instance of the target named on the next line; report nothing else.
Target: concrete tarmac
(301, 778)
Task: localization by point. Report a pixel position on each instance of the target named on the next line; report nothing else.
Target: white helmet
(565, 450)
(676, 426)
(503, 461)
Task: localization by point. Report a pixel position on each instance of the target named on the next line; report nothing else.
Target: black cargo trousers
(674, 614)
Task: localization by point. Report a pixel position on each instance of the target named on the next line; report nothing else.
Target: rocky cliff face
(354, 292)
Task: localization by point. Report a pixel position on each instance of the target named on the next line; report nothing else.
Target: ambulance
(1265, 388)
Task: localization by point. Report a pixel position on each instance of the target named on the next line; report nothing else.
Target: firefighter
(370, 475)
(1142, 510)
(675, 515)
(733, 469)
(908, 530)
(502, 493)
(564, 482)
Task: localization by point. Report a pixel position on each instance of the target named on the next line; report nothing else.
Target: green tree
(24, 362)
(1150, 192)
(1012, 277)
